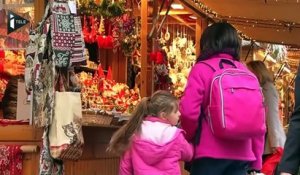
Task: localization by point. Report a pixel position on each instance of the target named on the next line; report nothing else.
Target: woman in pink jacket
(213, 155)
(150, 143)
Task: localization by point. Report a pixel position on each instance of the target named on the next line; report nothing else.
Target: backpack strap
(221, 64)
(199, 128)
(222, 61)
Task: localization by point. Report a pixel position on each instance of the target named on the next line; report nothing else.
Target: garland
(107, 9)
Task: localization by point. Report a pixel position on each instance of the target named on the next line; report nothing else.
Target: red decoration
(2, 54)
(157, 57)
(109, 74)
(105, 42)
(271, 162)
(89, 33)
(100, 72)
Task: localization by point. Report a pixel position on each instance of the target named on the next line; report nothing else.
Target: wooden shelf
(100, 125)
(78, 69)
(93, 120)
(20, 133)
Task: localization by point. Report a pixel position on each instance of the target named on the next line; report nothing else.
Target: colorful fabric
(43, 93)
(39, 73)
(78, 50)
(48, 165)
(67, 38)
(10, 160)
(65, 135)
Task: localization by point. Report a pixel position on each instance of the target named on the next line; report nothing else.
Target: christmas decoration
(100, 93)
(126, 34)
(162, 81)
(107, 9)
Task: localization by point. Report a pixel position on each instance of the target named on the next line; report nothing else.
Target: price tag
(72, 6)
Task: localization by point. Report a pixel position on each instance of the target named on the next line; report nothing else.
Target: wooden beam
(39, 10)
(182, 22)
(190, 6)
(198, 35)
(176, 12)
(144, 47)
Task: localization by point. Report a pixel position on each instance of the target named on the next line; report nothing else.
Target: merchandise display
(181, 55)
(101, 93)
(111, 53)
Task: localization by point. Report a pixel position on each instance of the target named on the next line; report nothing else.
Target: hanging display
(180, 51)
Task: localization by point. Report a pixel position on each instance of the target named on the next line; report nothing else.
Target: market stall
(134, 48)
(111, 82)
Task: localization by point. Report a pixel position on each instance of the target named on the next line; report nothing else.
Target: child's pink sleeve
(126, 164)
(186, 149)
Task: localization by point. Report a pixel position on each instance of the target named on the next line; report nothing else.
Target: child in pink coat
(150, 143)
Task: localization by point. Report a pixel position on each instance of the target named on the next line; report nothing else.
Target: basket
(96, 119)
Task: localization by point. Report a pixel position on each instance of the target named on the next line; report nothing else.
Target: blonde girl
(150, 143)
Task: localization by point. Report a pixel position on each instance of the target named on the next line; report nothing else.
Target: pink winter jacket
(157, 150)
(195, 95)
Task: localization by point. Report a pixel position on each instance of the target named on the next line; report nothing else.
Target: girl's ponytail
(122, 138)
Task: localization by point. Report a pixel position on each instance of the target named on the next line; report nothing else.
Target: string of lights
(243, 22)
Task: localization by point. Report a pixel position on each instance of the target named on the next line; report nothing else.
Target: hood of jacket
(154, 140)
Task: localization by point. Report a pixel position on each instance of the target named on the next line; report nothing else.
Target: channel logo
(15, 22)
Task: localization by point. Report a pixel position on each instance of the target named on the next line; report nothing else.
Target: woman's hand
(285, 174)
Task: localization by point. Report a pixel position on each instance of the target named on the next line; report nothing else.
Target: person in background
(275, 136)
(215, 156)
(290, 161)
(150, 143)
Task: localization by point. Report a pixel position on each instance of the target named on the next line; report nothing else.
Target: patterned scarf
(10, 160)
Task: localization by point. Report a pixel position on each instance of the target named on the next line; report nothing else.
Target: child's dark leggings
(210, 166)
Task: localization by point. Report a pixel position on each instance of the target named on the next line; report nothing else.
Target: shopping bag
(271, 162)
(65, 135)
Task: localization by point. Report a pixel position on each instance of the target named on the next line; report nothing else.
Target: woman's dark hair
(218, 38)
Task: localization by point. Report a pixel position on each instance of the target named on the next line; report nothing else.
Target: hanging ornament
(167, 34)
(101, 29)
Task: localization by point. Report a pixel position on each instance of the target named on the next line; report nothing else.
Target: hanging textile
(67, 38)
(57, 42)
(10, 160)
(39, 72)
(48, 165)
